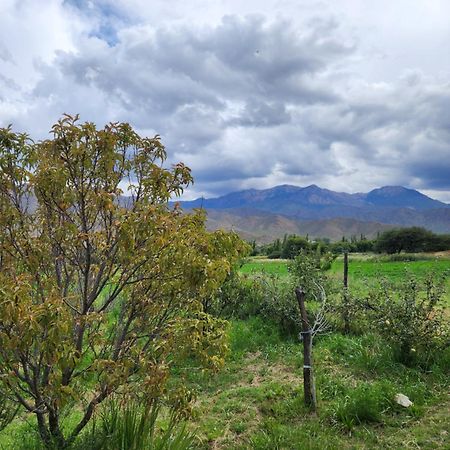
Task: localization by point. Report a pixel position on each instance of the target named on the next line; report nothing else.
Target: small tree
(311, 282)
(293, 245)
(99, 292)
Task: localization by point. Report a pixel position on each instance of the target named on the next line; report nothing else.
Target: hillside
(270, 213)
(265, 227)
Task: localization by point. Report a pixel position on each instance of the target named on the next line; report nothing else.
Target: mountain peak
(388, 204)
(399, 196)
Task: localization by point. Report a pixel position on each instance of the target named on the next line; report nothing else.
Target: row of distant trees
(397, 240)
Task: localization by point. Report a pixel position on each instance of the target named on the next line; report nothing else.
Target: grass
(270, 266)
(256, 401)
(393, 270)
(361, 267)
(366, 272)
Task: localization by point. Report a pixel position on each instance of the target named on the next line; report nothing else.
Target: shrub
(276, 254)
(412, 318)
(239, 297)
(99, 292)
(308, 271)
(278, 303)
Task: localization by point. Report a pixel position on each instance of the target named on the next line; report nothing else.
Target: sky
(346, 94)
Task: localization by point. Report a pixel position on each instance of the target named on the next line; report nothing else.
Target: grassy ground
(364, 273)
(361, 269)
(256, 401)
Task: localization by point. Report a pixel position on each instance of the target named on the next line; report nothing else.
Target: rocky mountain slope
(269, 213)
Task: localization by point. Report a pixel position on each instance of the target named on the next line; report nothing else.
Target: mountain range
(270, 213)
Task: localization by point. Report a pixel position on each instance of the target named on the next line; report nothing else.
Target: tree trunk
(43, 432)
(308, 375)
(55, 431)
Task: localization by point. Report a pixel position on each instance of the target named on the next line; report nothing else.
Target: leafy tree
(414, 239)
(99, 293)
(308, 270)
(293, 245)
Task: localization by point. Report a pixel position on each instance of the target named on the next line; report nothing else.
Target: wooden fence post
(308, 375)
(346, 312)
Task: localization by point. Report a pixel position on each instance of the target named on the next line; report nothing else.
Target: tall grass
(134, 426)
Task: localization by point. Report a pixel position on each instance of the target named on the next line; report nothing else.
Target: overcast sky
(346, 94)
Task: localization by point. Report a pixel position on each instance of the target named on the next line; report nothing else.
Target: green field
(364, 270)
(256, 400)
(393, 270)
(258, 266)
(360, 267)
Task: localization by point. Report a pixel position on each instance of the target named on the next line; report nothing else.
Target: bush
(276, 254)
(278, 303)
(412, 318)
(239, 297)
(308, 270)
(267, 296)
(99, 290)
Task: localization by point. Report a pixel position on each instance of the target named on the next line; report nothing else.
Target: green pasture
(269, 266)
(393, 270)
(366, 270)
(361, 267)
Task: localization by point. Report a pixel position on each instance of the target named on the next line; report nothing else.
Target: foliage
(278, 304)
(405, 257)
(308, 270)
(8, 411)
(412, 318)
(238, 297)
(269, 293)
(99, 292)
(293, 245)
(262, 295)
(414, 239)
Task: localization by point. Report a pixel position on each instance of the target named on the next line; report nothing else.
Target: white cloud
(349, 94)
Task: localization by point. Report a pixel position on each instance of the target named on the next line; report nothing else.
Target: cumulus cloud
(248, 96)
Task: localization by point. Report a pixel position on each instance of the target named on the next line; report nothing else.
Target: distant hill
(313, 210)
(400, 197)
(265, 227)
